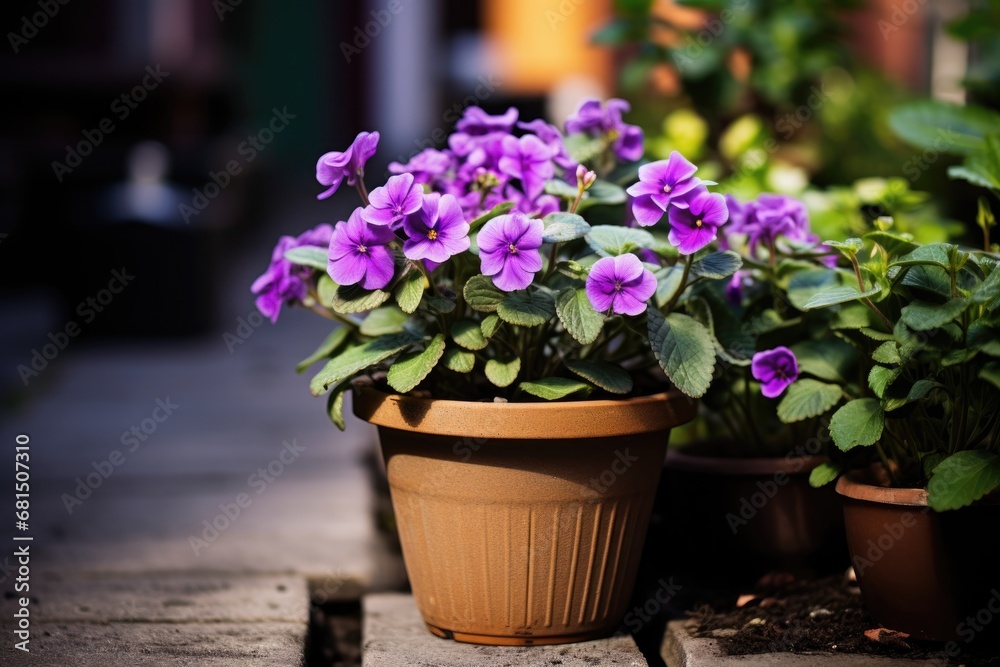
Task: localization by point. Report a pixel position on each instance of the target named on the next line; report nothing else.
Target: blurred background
(152, 151)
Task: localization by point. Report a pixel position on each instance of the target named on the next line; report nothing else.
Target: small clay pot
(741, 518)
(522, 523)
(934, 575)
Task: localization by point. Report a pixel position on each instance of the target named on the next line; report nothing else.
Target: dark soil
(823, 615)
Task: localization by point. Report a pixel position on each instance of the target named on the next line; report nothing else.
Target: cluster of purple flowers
(284, 281)
(770, 217)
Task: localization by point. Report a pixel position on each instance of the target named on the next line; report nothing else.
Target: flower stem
(362, 190)
(680, 288)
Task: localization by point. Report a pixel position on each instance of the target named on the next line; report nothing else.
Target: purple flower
(767, 218)
(285, 282)
(539, 207)
(694, 227)
(620, 284)
(334, 167)
(388, 204)
(734, 289)
(529, 160)
(425, 166)
(550, 134)
(437, 231)
(359, 252)
(476, 122)
(775, 369)
(662, 185)
(592, 119)
(508, 250)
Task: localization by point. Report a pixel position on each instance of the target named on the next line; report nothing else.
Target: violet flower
(769, 217)
(334, 167)
(775, 369)
(285, 282)
(476, 122)
(694, 227)
(436, 231)
(594, 120)
(388, 204)
(529, 160)
(620, 284)
(662, 186)
(359, 253)
(425, 166)
(550, 134)
(508, 250)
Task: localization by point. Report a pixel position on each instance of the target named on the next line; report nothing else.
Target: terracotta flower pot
(933, 575)
(744, 517)
(522, 523)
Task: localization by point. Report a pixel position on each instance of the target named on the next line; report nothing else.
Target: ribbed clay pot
(934, 575)
(522, 523)
(744, 517)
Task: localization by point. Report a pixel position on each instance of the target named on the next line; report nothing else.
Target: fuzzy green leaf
(857, 423)
(881, 378)
(409, 371)
(835, 295)
(491, 324)
(963, 478)
(562, 227)
(919, 391)
(330, 345)
(579, 318)
(823, 474)
(499, 209)
(887, 353)
(554, 388)
(608, 377)
(384, 320)
(468, 334)
(409, 291)
(502, 373)
(527, 308)
(354, 299)
(482, 295)
(458, 360)
(353, 360)
(717, 265)
(335, 403)
(309, 255)
(602, 192)
(683, 347)
(610, 240)
(828, 360)
(924, 316)
(807, 398)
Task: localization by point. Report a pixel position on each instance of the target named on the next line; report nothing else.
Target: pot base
(497, 640)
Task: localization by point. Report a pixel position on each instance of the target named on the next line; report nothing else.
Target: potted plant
(743, 484)
(521, 350)
(922, 427)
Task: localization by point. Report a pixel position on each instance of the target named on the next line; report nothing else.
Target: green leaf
(933, 124)
(562, 227)
(326, 290)
(583, 148)
(409, 371)
(989, 289)
(609, 240)
(919, 391)
(459, 361)
(835, 295)
(807, 398)
(499, 209)
(830, 359)
(887, 353)
(440, 304)
(579, 318)
(881, 378)
(717, 265)
(683, 347)
(850, 247)
(803, 285)
(823, 474)
(527, 309)
(482, 295)
(857, 423)
(468, 334)
(330, 345)
(896, 244)
(852, 317)
(924, 316)
(353, 360)
(354, 299)
(608, 377)
(409, 290)
(384, 320)
(554, 388)
(561, 188)
(572, 269)
(962, 479)
(875, 334)
(491, 324)
(991, 373)
(603, 193)
(309, 255)
(335, 403)
(502, 373)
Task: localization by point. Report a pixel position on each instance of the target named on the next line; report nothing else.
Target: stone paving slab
(680, 649)
(393, 635)
(161, 645)
(172, 598)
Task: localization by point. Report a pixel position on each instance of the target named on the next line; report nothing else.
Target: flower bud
(584, 177)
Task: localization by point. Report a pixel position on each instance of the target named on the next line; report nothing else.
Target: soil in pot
(739, 518)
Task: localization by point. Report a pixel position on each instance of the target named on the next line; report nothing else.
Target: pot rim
(525, 421)
(850, 485)
(749, 466)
